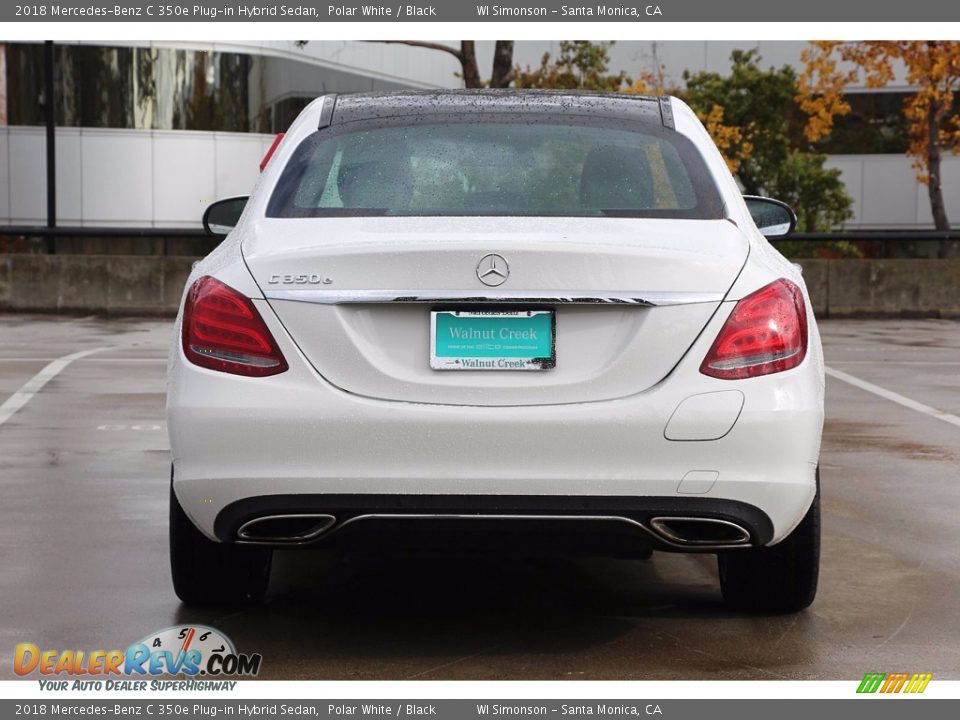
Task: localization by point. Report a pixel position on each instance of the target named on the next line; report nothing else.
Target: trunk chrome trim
(527, 297)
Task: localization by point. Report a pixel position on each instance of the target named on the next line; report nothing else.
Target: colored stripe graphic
(894, 682)
(918, 683)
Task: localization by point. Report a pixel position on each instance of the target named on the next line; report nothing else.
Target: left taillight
(223, 331)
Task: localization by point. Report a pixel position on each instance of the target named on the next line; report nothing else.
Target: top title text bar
(647, 11)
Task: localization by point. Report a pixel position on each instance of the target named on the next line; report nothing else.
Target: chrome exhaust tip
(700, 532)
(286, 529)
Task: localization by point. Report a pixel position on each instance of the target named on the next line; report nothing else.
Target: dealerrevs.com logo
(186, 650)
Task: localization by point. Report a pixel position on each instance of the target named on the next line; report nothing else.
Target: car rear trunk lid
(630, 296)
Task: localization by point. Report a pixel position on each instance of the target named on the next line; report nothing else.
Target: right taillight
(766, 333)
(222, 330)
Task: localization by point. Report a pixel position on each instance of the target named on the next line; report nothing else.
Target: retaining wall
(151, 285)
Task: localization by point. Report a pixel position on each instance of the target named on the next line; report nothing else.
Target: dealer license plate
(492, 340)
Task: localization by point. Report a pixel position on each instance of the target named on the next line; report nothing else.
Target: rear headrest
(617, 178)
(376, 184)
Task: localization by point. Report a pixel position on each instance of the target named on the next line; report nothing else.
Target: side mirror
(222, 216)
(774, 219)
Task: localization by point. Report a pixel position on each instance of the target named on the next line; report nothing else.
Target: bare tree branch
(458, 54)
(467, 56)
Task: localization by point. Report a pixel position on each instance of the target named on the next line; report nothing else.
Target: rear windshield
(574, 166)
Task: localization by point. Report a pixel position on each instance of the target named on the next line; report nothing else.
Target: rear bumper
(665, 523)
(266, 440)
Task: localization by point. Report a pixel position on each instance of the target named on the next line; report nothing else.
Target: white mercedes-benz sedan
(476, 320)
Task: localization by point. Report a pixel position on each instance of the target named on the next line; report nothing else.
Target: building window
(157, 88)
(875, 125)
(144, 88)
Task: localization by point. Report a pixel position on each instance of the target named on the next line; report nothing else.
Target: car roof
(365, 106)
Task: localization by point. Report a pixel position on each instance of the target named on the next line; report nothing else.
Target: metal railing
(877, 243)
(50, 235)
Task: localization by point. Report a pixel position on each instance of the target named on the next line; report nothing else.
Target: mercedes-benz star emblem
(493, 270)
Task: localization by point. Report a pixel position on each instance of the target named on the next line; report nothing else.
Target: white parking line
(893, 397)
(116, 360)
(896, 362)
(30, 388)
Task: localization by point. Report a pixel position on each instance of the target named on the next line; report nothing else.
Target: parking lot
(84, 473)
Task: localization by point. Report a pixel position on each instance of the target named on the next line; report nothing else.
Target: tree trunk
(934, 187)
(468, 61)
(502, 74)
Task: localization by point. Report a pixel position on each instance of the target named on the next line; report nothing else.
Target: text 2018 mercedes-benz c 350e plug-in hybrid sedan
(528, 320)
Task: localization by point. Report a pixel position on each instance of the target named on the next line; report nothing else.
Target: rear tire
(778, 579)
(211, 573)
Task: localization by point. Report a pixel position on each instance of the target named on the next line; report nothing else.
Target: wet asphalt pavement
(83, 559)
